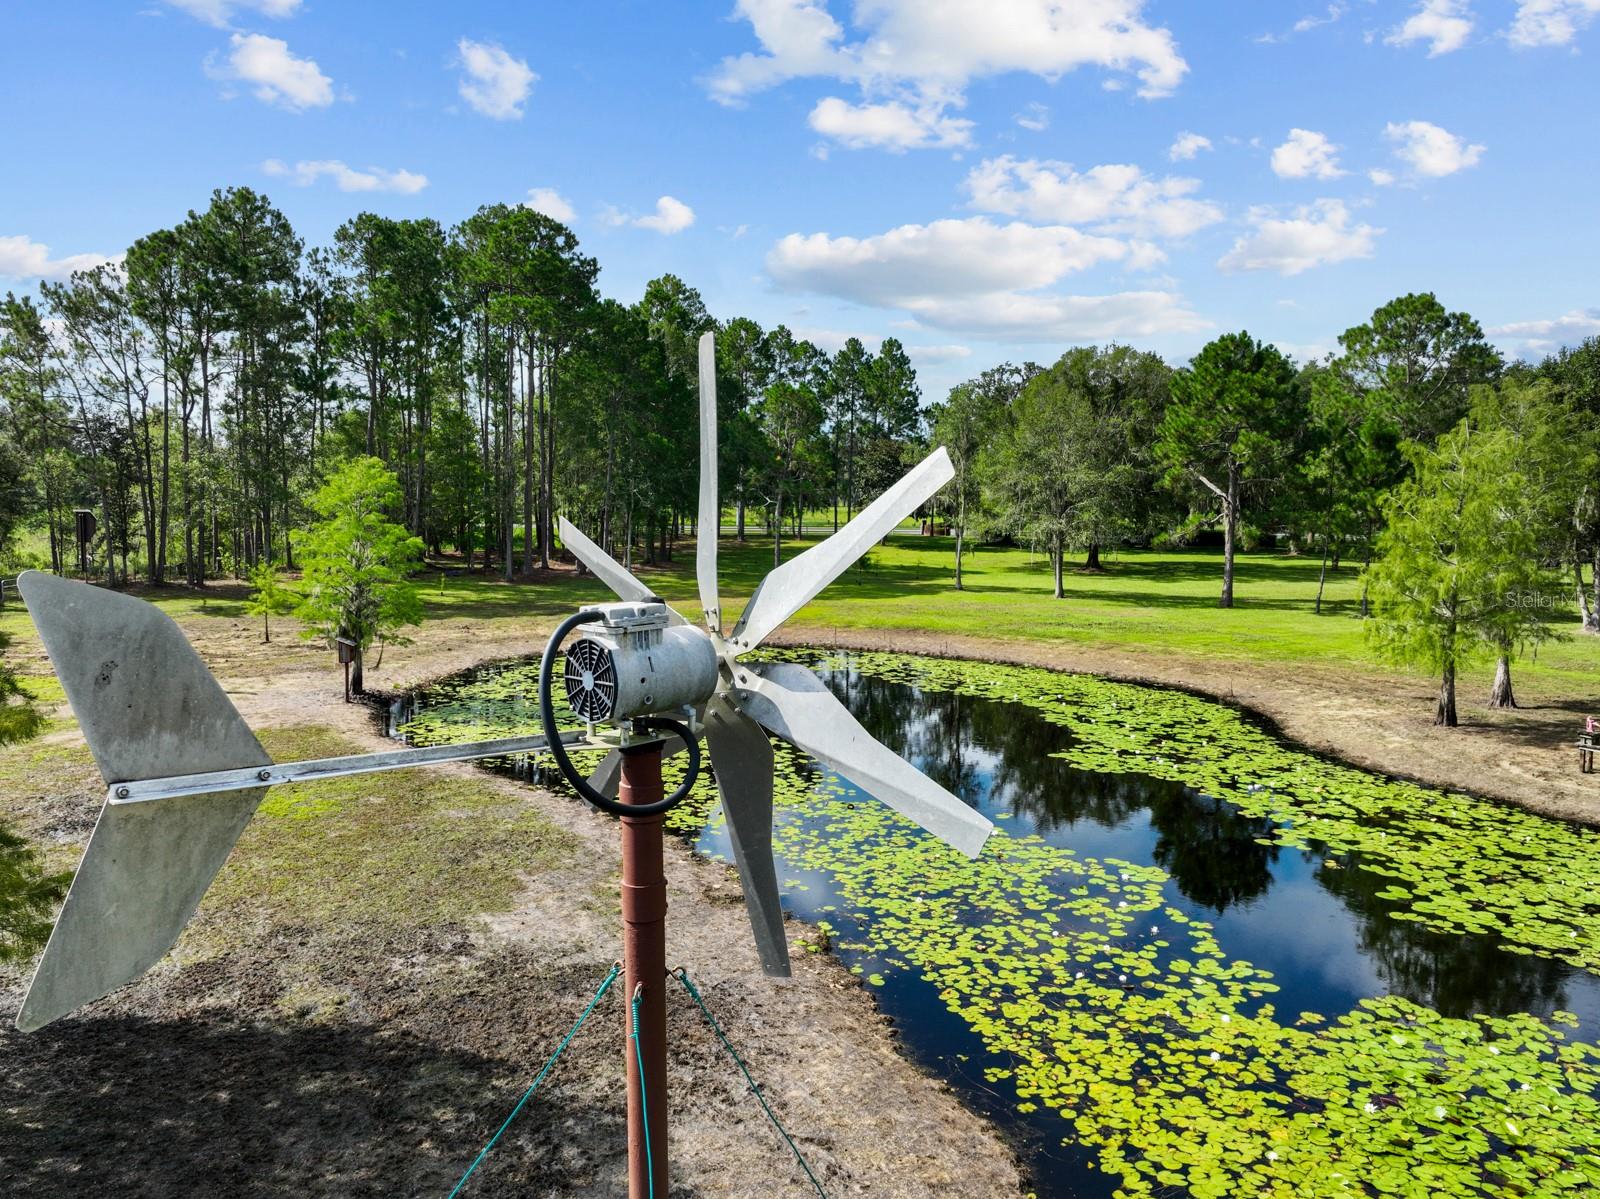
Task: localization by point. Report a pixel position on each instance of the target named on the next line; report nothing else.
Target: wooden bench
(1586, 744)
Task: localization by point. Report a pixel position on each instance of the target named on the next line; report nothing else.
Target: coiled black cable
(558, 749)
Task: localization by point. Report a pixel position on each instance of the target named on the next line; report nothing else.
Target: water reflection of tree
(1457, 974)
(1002, 752)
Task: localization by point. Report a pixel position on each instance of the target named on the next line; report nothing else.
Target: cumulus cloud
(1188, 146)
(1380, 177)
(1012, 316)
(23, 258)
(1307, 154)
(977, 277)
(492, 81)
(221, 12)
(550, 202)
(1113, 198)
(892, 126)
(347, 178)
(1429, 150)
(1550, 22)
(273, 74)
(1444, 24)
(1544, 334)
(1315, 235)
(671, 216)
(922, 54)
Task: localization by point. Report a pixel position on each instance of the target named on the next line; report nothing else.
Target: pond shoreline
(1512, 759)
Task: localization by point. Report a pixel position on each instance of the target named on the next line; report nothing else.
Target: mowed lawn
(1158, 602)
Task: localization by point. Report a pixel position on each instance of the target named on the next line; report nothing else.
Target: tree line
(194, 394)
(1463, 485)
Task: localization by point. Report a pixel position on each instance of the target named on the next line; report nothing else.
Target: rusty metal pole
(644, 959)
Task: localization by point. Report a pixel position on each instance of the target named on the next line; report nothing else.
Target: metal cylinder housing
(632, 665)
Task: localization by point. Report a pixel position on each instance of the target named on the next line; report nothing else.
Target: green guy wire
(682, 975)
(528, 1094)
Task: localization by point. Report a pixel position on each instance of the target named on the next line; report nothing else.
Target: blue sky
(986, 180)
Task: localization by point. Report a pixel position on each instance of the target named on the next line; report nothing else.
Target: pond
(1193, 960)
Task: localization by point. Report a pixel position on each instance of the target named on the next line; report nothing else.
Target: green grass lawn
(1144, 601)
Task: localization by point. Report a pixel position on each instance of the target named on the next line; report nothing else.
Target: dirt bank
(287, 1051)
(1376, 721)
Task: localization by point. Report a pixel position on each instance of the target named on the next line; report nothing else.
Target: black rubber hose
(558, 750)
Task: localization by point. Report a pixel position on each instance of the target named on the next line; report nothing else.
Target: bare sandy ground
(307, 1061)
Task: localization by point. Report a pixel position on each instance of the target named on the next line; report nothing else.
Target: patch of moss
(406, 848)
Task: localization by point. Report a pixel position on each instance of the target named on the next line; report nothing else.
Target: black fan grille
(591, 680)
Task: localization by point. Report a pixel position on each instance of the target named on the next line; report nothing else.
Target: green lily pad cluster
(1095, 999)
(1460, 864)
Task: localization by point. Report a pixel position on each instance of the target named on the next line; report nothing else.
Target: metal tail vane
(184, 773)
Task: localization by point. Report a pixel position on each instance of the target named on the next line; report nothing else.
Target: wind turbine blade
(797, 706)
(605, 568)
(706, 528)
(148, 708)
(742, 758)
(607, 776)
(792, 586)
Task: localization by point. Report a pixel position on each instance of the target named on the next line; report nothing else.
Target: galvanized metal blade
(607, 776)
(148, 708)
(790, 587)
(705, 552)
(796, 705)
(606, 568)
(742, 758)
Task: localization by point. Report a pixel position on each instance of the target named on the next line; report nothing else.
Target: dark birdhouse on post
(346, 649)
(84, 525)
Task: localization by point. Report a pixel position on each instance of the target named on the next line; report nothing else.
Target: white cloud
(932, 355)
(1011, 316)
(1574, 326)
(1034, 116)
(1380, 177)
(494, 83)
(892, 126)
(23, 258)
(1306, 24)
(274, 75)
(946, 258)
(1550, 22)
(1306, 154)
(347, 178)
(975, 277)
(550, 202)
(1444, 24)
(1187, 146)
(671, 216)
(1316, 235)
(220, 12)
(1114, 198)
(923, 53)
(1429, 150)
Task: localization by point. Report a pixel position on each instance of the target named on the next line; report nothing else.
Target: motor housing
(633, 662)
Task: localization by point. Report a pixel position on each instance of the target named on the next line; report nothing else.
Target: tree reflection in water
(999, 758)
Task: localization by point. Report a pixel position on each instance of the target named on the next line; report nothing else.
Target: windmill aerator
(184, 773)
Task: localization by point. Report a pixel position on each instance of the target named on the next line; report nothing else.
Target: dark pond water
(1323, 934)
